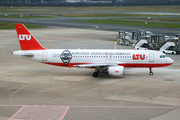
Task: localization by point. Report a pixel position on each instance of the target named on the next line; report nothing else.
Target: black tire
(95, 74)
(151, 73)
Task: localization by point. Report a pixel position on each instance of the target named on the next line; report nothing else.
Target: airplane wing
(105, 64)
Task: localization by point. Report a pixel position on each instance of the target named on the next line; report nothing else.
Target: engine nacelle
(116, 70)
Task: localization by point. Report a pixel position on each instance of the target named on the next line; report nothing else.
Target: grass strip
(158, 19)
(105, 15)
(132, 23)
(24, 16)
(4, 25)
(165, 8)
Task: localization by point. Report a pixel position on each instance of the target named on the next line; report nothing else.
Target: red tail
(26, 39)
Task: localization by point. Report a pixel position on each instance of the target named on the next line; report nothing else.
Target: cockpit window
(163, 56)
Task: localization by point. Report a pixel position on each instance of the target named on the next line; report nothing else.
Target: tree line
(78, 4)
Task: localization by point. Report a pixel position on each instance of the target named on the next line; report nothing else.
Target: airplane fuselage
(112, 61)
(71, 57)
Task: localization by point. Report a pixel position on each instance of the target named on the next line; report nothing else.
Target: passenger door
(44, 56)
(151, 57)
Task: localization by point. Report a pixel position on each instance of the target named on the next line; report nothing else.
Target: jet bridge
(124, 38)
(143, 33)
(137, 35)
(178, 42)
(143, 44)
(158, 40)
(134, 35)
(144, 40)
(151, 41)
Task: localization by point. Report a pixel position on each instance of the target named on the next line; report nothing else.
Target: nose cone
(170, 60)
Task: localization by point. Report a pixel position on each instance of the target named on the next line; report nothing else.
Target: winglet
(26, 39)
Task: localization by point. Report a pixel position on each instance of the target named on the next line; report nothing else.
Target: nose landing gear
(150, 71)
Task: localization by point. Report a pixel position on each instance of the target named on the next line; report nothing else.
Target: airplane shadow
(105, 75)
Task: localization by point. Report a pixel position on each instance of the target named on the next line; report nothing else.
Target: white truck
(171, 46)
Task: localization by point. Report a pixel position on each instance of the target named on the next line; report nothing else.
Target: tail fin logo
(24, 37)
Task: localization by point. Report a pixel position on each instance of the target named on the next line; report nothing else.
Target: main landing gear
(150, 72)
(95, 74)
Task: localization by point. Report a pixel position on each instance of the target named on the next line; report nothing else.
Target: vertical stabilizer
(26, 39)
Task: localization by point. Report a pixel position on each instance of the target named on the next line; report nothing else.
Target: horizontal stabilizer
(22, 53)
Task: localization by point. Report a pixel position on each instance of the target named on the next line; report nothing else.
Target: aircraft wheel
(151, 73)
(95, 74)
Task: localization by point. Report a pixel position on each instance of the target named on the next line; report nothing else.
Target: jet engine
(116, 70)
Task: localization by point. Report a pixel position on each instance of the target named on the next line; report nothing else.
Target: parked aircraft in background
(112, 61)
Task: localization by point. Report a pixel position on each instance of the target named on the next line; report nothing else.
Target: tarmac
(31, 90)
